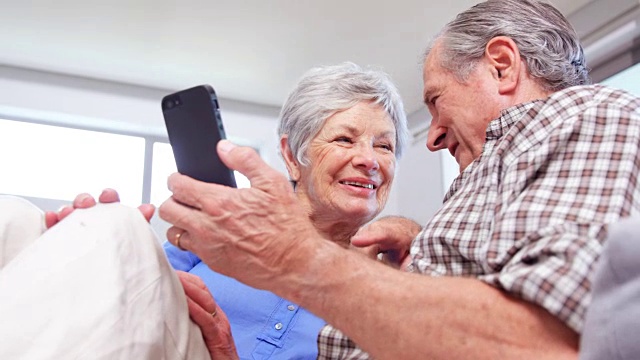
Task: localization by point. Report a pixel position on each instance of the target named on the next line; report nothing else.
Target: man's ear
(504, 57)
(290, 161)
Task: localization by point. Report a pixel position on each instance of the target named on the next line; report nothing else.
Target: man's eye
(433, 100)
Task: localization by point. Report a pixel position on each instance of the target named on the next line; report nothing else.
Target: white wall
(78, 102)
(419, 184)
(72, 101)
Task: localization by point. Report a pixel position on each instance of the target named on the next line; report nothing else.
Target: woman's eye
(343, 139)
(387, 147)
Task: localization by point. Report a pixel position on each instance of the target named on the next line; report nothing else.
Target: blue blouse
(263, 325)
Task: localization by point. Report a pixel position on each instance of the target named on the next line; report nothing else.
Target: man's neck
(529, 90)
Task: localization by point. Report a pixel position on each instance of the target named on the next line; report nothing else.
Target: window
(628, 79)
(44, 162)
(58, 163)
(164, 165)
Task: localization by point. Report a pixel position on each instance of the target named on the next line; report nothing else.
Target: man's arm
(426, 317)
(261, 237)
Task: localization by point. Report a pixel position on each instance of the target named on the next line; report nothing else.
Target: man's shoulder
(585, 103)
(591, 110)
(596, 95)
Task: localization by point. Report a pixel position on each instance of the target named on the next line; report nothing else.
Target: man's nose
(436, 137)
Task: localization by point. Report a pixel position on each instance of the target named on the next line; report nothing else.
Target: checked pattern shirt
(530, 215)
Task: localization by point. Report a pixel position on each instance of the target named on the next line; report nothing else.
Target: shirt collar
(499, 126)
(496, 129)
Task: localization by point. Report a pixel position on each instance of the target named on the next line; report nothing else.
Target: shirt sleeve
(179, 259)
(553, 269)
(566, 189)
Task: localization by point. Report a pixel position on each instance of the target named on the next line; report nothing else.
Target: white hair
(326, 90)
(547, 42)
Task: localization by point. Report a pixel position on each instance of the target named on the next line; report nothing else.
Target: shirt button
(278, 326)
(291, 307)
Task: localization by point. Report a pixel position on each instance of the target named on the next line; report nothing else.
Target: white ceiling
(249, 50)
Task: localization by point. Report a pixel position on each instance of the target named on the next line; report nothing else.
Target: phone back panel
(194, 126)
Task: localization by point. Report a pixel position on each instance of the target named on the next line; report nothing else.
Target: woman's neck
(339, 232)
(330, 226)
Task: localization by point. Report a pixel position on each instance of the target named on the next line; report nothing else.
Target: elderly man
(546, 164)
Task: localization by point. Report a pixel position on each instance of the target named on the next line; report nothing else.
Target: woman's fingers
(64, 212)
(109, 196)
(50, 219)
(83, 201)
(196, 290)
(147, 211)
(212, 321)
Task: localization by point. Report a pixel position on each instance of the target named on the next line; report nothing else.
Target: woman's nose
(366, 158)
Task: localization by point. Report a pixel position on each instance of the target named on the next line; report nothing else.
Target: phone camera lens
(171, 102)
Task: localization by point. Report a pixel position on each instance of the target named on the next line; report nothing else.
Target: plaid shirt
(529, 215)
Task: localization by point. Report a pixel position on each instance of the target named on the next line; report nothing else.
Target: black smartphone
(194, 125)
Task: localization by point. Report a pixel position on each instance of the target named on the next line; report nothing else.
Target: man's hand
(390, 236)
(255, 235)
(212, 321)
(85, 201)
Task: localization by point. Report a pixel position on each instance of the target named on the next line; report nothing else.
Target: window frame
(149, 141)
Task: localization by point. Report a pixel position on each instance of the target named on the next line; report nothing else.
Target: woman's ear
(290, 161)
(504, 57)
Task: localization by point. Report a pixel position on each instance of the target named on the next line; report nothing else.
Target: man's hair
(547, 42)
(326, 90)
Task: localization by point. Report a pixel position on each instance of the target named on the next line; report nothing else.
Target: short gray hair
(547, 42)
(326, 90)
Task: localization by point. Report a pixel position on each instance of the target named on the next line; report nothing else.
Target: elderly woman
(341, 132)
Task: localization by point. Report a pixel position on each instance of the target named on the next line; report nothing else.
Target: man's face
(461, 111)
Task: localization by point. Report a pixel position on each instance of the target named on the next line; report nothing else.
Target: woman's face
(352, 164)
